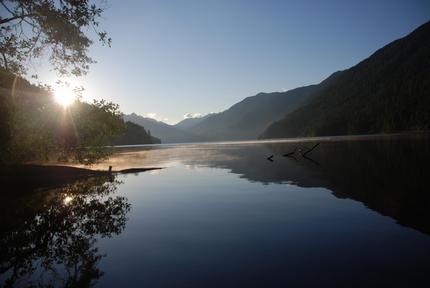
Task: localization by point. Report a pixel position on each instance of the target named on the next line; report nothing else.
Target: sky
(176, 59)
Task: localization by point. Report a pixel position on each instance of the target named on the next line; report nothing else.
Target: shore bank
(24, 177)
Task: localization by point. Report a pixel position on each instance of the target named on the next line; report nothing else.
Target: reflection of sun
(64, 96)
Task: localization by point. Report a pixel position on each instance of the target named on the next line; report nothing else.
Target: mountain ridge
(165, 132)
(386, 92)
(191, 122)
(246, 119)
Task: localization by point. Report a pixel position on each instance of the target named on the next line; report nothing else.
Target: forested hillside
(387, 92)
(134, 135)
(247, 119)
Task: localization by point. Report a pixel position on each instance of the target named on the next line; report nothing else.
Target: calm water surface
(349, 214)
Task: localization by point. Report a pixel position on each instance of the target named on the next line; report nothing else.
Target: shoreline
(50, 175)
(32, 176)
(357, 137)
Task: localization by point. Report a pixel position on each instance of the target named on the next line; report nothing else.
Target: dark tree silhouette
(53, 240)
(28, 29)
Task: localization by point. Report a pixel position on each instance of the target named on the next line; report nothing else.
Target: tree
(31, 29)
(33, 126)
(89, 128)
(53, 241)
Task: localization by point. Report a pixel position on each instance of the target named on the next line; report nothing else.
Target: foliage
(87, 128)
(53, 240)
(134, 135)
(31, 29)
(34, 127)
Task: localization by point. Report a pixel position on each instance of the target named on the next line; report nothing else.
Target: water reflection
(199, 224)
(48, 238)
(388, 174)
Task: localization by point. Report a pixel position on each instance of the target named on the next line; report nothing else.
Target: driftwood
(299, 149)
(290, 154)
(310, 150)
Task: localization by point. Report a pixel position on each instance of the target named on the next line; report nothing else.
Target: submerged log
(310, 150)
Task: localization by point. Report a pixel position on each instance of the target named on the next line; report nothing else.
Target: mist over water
(350, 213)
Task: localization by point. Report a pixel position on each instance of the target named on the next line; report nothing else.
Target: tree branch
(15, 16)
(3, 21)
(5, 61)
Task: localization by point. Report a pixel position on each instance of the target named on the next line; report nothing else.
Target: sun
(64, 95)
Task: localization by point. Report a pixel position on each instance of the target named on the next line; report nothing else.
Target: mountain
(167, 133)
(134, 135)
(188, 123)
(387, 92)
(247, 119)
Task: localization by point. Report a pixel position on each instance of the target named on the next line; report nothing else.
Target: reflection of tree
(53, 242)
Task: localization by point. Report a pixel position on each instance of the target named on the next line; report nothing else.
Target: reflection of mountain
(48, 237)
(387, 175)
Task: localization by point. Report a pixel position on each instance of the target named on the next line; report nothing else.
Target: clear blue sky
(177, 57)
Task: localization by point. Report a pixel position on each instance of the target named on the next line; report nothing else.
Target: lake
(353, 212)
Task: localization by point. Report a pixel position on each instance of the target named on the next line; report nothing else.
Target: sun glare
(67, 200)
(64, 96)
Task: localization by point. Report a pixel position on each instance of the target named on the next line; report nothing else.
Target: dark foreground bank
(27, 177)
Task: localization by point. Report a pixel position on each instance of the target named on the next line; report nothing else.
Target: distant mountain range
(243, 121)
(248, 118)
(191, 122)
(387, 92)
(165, 132)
